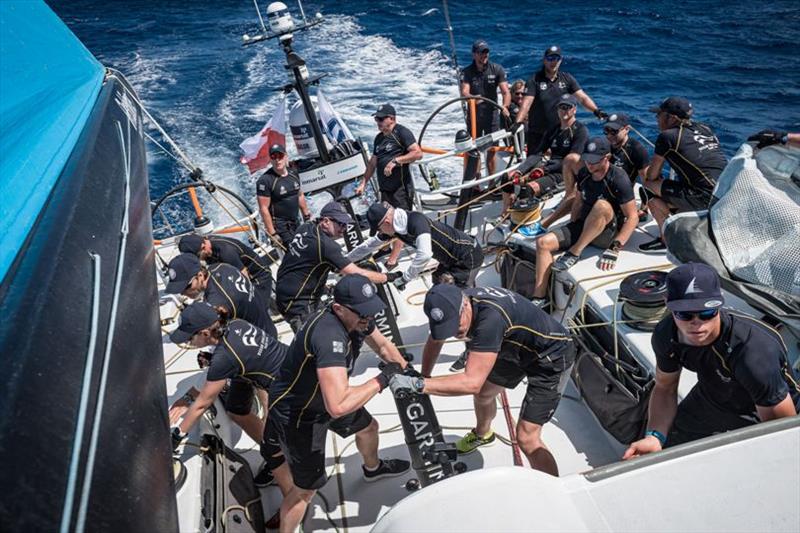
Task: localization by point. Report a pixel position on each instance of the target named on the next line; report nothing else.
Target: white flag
(335, 128)
(256, 148)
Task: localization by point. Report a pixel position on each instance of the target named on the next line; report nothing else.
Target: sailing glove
(769, 137)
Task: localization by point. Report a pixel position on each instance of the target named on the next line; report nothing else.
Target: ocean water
(737, 61)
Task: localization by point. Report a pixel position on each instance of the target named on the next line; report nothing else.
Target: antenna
(260, 19)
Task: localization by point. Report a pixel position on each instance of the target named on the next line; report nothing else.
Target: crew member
(312, 395)
(626, 152)
(694, 153)
(223, 286)
(392, 151)
(771, 137)
(564, 144)
(458, 254)
(509, 339)
(743, 375)
(603, 214)
(517, 96)
(312, 253)
(280, 200)
(484, 78)
(215, 249)
(244, 356)
(545, 89)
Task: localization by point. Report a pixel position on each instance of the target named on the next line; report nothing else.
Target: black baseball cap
(386, 110)
(480, 46)
(359, 294)
(190, 244)
(336, 212)
(181, 270)
(693, 287)
(675, 105)
(375, 214)
(618, 120)
(443, 309)
(596, 149)
(553, 50)
(567, 99)
(277, 149)
(196, 317)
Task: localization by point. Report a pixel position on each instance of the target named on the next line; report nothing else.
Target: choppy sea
(737, 61)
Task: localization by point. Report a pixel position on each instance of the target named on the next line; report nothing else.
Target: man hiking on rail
(459, 255)
(392, 151)
(743, 374)
(312, 394)
(309, 258)
(508, 339)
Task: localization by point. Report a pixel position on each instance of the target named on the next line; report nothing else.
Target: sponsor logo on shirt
(562, 85)
(543, 86)
(250, 337)
(338, 347)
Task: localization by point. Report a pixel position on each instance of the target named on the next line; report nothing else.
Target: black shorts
(285, 229)
(547, 374)
(238, 397)
(465, 271)
(548, 183)
(697, 417)
(486, 121)
(304, 445)
(298, 314)
(402, 197)
(569, 234)
(532, 140)
(684, 198)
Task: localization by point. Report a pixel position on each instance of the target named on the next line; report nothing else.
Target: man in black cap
(544, 89)
(563, 144)
(244, 358)
(392, 151)
(508, 339)
(309, 258)
(483, 78)
(312, 394)
(743, 374)
(693, 152)
(603, 214)
(280, 200)
(215, 249)
(459, 255)
(627, 153)
(223, 286)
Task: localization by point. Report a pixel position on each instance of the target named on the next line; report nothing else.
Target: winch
(525, 211)
(643, 297)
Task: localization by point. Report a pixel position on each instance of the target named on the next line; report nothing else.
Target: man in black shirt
(459, 255)
(743, 375)
(244, 356)
(392, 151)
(280, 200)
(310, 256)
(215, 249)
(483, 78)
(544, 90)
(693, 152)
(603, 214)
(223, 286)
(312, 394)
(626, 152)
(564, 144)
(508, 339)
(517, 96)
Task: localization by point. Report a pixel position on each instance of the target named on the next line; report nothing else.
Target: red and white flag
(256, 148)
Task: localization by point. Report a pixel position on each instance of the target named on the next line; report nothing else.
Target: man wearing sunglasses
(743, 375)
(309, 257)
(517, 96)
(626, 152)
(280, 200)
(392, 150)
(544, 89)
(222, 286)
(484, 78)
(312, 394)
(694, 153)
(244, 359)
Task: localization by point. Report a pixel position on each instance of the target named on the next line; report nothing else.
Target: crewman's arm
(374, 277)
(365, 249)
(372, 164)
(522, 115)
(301, 201)
(663, 408)
(505, 92)
(203, 401)
(414, 153)
(422, 256)
(263, 208)
(479, 364)
(385, 348)
(585, 100)
(781, 410)
(631, 221)
(339, 397)
(430, 353)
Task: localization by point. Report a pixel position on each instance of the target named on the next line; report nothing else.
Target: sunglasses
(276, 156)
(362, 317)
(552, 58)
(482, 52)
(610, 131)
(564, 107)
(380, 119)
(519, 94)
(686, 316)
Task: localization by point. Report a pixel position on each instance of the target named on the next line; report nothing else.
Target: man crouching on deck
(509, 338)
(312, 394)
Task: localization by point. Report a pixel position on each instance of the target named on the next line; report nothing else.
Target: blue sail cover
(49, 83)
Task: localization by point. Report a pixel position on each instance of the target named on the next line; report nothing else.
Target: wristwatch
(394, 160)
(615, 246)
(418, 385)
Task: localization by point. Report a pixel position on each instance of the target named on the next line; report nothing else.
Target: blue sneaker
(532, 230)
